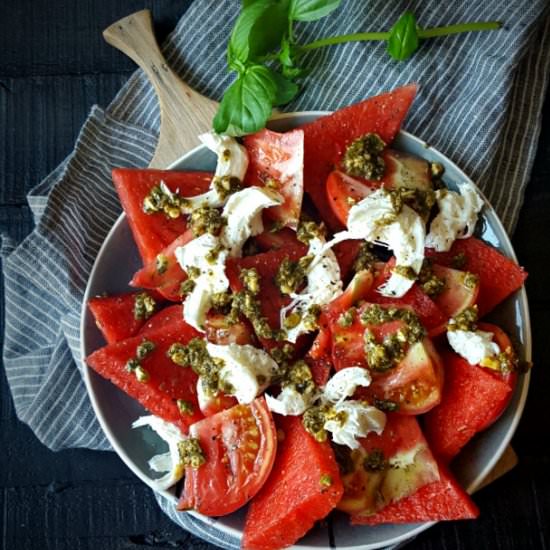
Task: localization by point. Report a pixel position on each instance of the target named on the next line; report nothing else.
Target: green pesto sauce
(308, 230)
(206, 219)
(458, 261)
(375, 461)
(365, 258)
(292, 275)
(466, 320)
(251, 280)
(429, 282)
(226, 185)
(363, 157)
(386, 405)
(185, 407)
(161, 264)
(159, 201)
(191, 453)
(144, 306)
(144, 349)
(347, 318)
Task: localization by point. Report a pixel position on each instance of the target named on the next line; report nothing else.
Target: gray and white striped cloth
(479, 102)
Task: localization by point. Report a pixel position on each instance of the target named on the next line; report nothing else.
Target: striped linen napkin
(479, 102)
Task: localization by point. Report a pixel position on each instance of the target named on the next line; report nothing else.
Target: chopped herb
(185, 407)
(466, 320)
(308, 230)
(191, 453)
(206, 219)
(141, 374)
(326, 480)
(375, 461)
(292, 275)
(132, 364)
(144, 349)
(144, 306)
(363, 157)
(161, 264)
(187, 287)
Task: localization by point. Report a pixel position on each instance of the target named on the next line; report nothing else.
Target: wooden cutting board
(184, 114)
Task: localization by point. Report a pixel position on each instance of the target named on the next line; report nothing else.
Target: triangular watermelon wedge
(327, 137)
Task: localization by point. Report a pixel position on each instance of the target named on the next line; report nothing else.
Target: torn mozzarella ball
(457, 216)
(166, 462)
(232, 156)
(357, 420)
(344, 383)
(473, 346)
(247, 371)
(243, 212)
(289, 402)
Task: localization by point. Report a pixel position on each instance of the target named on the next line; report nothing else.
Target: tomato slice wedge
(239, 445)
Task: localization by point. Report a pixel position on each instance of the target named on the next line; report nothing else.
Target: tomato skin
(415, 383)
(279, 157)
(293, 498)
(114, 316)
(326, 139)
(239, 445)
(153, 232)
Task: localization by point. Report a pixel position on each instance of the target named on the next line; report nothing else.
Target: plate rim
(478, 480)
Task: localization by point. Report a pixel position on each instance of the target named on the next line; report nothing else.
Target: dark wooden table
(54, 66)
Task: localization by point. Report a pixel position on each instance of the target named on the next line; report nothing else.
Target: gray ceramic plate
(118, 259)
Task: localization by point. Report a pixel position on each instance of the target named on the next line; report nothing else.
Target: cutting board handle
(184, 113)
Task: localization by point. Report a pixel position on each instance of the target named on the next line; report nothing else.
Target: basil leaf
(247, 103)
(269, 30)
(285, 89)
(239, 42)
(403, 40)
(311, 10)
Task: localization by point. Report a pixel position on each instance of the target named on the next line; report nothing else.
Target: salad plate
(117, 261)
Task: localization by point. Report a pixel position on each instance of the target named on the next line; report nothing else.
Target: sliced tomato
(499, 276)
(153, 232)
(164, 273)
(239, 445)
(414, 384)
(114, 316)
(278, 159)
(219, 331)
(343, 192)
(269, 240)
(404, 464)
(441, 500)
(304, 486)
(327, 137)
(473, 398)
(166, 383)
(346, 252)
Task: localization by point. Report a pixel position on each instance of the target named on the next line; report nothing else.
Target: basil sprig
(266, 58)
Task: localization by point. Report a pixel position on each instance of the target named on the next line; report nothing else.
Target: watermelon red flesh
(498, 275)
(426, 309)
(280, 158)
(293, 497)
(167, 282)
(473, 398)
(437, 501)
(167, 381)
(114, 316)
(327, 138)
(153, 232)
(163, 320)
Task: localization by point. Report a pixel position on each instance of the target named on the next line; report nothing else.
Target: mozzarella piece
(473, 346)
(289, 402)
(358, 420)
(232, 157)
(405, 236)
(212, 277)
(324, 284)
(166, 462)
(248, 370)
(244, 216)
(344, 383)
(457, 216)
